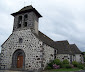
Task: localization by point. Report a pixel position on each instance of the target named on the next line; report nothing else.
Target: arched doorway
(18, 59)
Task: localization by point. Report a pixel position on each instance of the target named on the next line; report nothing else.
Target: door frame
(14, 58)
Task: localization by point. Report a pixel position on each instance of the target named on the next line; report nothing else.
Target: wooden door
(19, 61)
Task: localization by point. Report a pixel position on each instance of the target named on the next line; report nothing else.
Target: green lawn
(64, 69)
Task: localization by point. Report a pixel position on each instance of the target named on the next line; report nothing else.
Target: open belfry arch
(29, 49)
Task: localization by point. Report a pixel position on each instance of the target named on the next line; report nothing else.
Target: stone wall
(63, 57)
(48, 54)
(31, 45)
(79, 58)
(37, 54)
(70, 58)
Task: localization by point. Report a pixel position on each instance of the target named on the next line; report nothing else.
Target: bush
(75, 63)
(84, 58)
(57, 62)
(51, 64)
(48, 67)
(65, 61)
(66, 66)
(80, 66)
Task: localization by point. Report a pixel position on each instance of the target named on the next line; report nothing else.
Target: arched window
(19, 21)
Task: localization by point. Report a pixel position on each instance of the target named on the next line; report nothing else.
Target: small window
(20, 40)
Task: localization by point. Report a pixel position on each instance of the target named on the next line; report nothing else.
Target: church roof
(63, 47)
(74, 49)
(27, 9)
(45, 39)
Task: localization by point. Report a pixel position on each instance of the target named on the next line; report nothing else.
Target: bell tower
(26, 18)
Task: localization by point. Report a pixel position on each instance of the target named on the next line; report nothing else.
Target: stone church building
(29, 49)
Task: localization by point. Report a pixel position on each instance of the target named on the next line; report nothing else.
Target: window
(55, 51)
(25, 20)
(20, 40)
(19, 21)
(54, 56)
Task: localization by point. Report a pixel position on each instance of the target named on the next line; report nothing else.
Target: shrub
(66, 66)
(80, 66)
(51, 64)
(72, 66)
(65, 61)
(48, 67)
(84, 64)
(57, 62)
(75, 63)
(84, 58)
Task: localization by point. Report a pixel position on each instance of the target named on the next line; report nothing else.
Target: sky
(62, 19)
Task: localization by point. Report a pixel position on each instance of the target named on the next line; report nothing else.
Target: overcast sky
(62, 19)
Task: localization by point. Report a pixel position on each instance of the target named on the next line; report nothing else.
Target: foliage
(66, 66)
(84, 55)
(84, 64)
(57, 62)
(48, 67)
(84, 58)
(65, 61)
(51, 64)
(65, 69)
(75, 63)
(56, 66)
(80, 66)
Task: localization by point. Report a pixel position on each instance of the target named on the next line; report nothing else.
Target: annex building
(29, 49)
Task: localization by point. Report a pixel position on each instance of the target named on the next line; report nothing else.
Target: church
(29, 49)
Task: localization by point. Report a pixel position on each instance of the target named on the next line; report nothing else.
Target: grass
(64, 69)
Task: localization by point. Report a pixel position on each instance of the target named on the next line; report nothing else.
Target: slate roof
(74, 49)
(63, 47)
(27, 9)
(45, 39)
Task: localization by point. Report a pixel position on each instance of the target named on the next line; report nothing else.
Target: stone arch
(18, 52)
